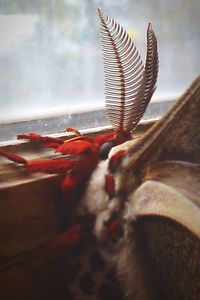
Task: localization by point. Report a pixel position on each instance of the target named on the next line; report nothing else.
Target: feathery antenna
(128, 85)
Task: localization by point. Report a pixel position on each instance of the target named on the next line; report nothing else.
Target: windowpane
(51, 59)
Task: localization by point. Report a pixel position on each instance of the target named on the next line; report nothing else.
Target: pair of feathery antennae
(129, 85)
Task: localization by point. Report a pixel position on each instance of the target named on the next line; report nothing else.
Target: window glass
(51, 60)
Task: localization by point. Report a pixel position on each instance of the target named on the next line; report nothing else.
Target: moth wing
(182, 176)
(167, 225)
(175, 137)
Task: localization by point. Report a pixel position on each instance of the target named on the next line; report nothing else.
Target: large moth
(144, 199)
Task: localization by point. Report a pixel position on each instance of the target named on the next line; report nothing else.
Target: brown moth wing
(164, 204)
(182, 176)
(163, 219)
(175, 137)
(167, 226)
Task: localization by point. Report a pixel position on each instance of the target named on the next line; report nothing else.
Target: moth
(141, 194)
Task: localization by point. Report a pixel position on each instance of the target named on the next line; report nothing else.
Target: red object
(76, 147)
(84, 155)
(117, 137)
(70, 183)
(110, 185)
(39, 138)
(13, 157)
(103, 138)
(73, 130)
(66, 241)
(115, 159)
(50, 166)
(114, 229)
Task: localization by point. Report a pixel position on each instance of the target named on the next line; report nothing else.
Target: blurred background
(51, 59)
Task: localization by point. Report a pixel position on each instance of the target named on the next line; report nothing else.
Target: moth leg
(50, 166)
(73, 130)
(13, 157)
(45, 141)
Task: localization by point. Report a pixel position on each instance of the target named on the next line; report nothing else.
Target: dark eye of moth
(105, 149)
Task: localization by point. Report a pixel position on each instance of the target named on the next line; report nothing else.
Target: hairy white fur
(125, 256)
(95, 198)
